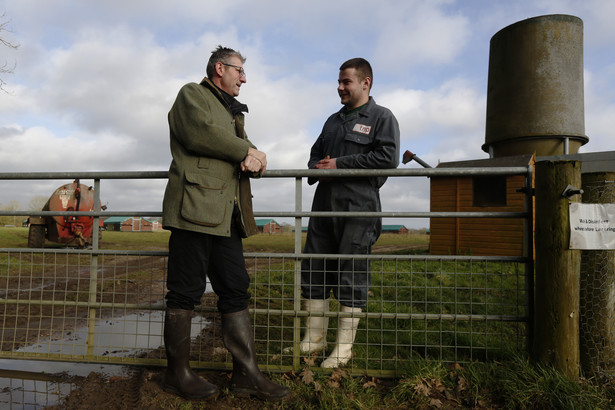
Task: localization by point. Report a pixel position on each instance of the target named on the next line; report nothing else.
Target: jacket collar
(228, 100)
(364, 111)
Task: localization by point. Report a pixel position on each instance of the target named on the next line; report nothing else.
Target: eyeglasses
(240, 70)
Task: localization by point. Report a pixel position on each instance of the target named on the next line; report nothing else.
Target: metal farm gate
(102, 305)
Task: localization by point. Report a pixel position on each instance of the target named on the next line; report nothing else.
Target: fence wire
(419, 306)
(597, 293)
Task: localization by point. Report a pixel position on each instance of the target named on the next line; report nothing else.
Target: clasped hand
(255, 161)
(326, 163)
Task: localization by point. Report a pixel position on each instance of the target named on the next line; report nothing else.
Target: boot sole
(171, 389)
(239, 392)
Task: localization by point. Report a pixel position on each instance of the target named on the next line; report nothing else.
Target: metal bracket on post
(571, 190)
(526, 190)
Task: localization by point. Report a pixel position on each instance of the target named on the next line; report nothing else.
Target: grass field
(17, 238)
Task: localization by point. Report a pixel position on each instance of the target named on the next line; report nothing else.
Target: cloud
(94, 81)
(454, 112)
(37, 149)
(421, 34)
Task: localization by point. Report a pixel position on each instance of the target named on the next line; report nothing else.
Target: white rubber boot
(315, 338)
(346, 332)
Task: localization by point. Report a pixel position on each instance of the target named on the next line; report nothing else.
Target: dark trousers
(348, 279)
(194, 257)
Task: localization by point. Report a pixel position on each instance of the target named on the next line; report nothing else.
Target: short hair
(364, 69)
(222, 55)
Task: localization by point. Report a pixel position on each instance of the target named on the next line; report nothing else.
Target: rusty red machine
(65, 229)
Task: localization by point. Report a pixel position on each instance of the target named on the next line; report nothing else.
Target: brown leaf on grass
(335, 380)
(427, 387)
(462, 384)
(369, 384)
(437, 403)
(334, 384)
(438, 385)
(422, 388)
(339, 374)
(307, 376)
(309, 360)
(317, 386)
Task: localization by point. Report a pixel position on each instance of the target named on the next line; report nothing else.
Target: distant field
(388, 243)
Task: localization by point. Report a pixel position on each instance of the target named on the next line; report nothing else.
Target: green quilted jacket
(207, 145)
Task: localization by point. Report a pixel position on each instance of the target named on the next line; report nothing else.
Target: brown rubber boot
(247, 378)
(179, 377)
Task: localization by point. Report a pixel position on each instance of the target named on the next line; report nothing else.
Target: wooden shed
(491, 236)
(478, 236)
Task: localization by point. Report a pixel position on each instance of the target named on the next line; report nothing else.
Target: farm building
(131, 224)
(490, 236)
(268, 226)
(399, 229)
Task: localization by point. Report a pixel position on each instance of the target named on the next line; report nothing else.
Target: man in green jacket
(207, 207)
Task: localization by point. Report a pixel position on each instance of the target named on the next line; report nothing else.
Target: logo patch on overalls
(363, 129)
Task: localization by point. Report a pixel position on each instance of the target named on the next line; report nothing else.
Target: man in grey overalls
(361, 135)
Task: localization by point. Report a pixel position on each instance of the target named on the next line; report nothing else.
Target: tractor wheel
(36, 236)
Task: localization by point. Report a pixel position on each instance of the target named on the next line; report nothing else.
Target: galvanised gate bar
(107, 305)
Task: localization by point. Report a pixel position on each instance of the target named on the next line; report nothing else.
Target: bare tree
(5, 68)
(10, 219)
(37, 202)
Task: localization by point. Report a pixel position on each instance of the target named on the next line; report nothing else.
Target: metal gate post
(297, 289)
(93, 272)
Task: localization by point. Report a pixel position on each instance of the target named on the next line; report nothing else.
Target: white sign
(592, 226)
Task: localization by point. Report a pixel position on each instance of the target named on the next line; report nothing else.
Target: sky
(93, 82)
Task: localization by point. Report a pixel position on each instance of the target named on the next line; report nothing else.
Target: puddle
(34, 384)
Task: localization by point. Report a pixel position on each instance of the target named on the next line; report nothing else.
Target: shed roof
(603, 161)
(393, 227)
(263, 222)
(120, 219)
(511, 161)
(116, 219)
(590, 161)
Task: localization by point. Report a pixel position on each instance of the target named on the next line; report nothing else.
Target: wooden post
(556, 318)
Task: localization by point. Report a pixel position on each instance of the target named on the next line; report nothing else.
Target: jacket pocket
(357, 144)
(203, 199)
(358, 138)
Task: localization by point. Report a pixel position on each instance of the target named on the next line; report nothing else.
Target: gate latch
(571, 190)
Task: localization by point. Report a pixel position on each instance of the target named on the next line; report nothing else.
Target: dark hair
(364, 69)
(222, 55)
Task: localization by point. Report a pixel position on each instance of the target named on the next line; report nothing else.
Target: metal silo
(535, 88)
